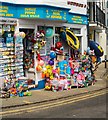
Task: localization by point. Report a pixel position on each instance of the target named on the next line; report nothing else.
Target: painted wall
(84, 38)
(97, 37)
(75, 6)
(107, 51)
(102, 42)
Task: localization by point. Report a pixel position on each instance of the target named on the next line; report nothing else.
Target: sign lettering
(5, 12)
(29, 13)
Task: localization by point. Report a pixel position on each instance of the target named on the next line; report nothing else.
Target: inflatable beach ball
(49, 33)
(52, 55)
(58, 45)
(22, 34)
(51, 62)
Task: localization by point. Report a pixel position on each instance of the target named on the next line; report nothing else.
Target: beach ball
(41, 62)
(22, 34)
(58, 45)
(49, 33)
(52, 55)
(38, 68)
(51, 62)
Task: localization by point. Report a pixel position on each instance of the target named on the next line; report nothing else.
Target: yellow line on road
(64, 102)
(27, 102)
(49, 105)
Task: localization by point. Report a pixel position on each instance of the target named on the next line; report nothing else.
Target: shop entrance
(28, 49)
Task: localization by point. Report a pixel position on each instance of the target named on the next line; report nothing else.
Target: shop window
(28, 48)
(80, 45)
(76, 30)
(57, 30)
(57, 38)
(49, 41)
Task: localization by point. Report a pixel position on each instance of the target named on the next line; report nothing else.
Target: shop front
(43, 47)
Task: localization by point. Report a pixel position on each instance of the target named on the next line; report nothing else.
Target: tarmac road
(93, 106)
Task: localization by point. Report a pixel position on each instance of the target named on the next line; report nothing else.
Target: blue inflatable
(52, 55)
(63, 34)
(49, 33)
(97, 48)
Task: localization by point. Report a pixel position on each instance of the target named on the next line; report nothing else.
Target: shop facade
(31, 18)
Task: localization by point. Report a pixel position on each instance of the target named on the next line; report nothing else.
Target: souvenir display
(21, 52)
(11, 61)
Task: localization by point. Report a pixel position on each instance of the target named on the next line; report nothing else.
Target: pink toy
(41, 62)
(72, 71)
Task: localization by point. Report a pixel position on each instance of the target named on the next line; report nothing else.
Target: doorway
(28, 55)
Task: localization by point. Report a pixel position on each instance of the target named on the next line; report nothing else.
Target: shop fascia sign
(7, 11)
(77, 19)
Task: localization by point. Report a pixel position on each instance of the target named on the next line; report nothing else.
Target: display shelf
(7, 56)
(19, 58)
(11, 58)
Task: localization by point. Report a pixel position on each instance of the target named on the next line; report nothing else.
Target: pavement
(41, 96)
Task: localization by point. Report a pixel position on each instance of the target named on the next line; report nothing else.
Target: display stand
(7, 65)
(19, 57)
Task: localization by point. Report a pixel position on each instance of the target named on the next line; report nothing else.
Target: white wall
(26, 23)
(97, 37)
(84, 38)
(107, 51)
(102, 42)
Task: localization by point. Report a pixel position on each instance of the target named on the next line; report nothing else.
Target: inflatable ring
(72, 40)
